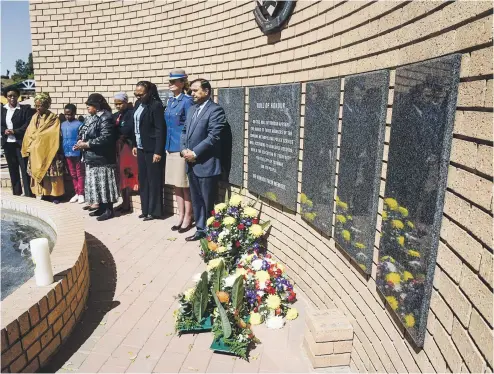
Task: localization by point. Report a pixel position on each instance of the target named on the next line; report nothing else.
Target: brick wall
(80, 47)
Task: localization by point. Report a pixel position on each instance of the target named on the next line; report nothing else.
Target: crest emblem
(271, 16)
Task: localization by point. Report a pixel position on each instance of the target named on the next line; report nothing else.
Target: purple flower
(265, 265)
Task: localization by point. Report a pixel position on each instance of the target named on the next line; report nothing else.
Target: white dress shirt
(8, 120)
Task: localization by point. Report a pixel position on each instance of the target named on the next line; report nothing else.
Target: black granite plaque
(274, 123)
(362, 139)
(322, 105)
(233, 102)
(164, 96)
(421, 132)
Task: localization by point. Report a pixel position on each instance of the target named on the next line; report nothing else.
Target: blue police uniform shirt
(175, 114)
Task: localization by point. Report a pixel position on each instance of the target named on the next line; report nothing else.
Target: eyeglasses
(173, 81)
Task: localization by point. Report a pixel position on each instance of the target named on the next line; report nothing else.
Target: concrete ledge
(36, 321)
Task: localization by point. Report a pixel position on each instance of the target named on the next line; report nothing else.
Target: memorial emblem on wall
(421, 133)
(359, 174)
(233, 102)
(322, 105)
(271, 16)
(274, 121)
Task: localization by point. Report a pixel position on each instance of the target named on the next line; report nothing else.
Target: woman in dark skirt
(97, 141)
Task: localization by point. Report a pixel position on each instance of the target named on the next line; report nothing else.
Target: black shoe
(176, 227)
(195, 237)
(181, 230)
(142, 216)
(98, 212)
(149, 218)
(106, 215)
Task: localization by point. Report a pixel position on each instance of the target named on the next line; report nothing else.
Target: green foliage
(204, 247)
(238, 291)
(237, 348)
(201, 297)
(225, 322)
(23, 70)
(265, 225)
(217, 277)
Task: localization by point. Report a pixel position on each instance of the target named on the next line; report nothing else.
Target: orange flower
(223, 296)
(212, 246)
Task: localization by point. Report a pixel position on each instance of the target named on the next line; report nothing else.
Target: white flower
(257, 264)
(196, 278)
(230, 280)
(275, 322)
(188, 294)
(390, 267)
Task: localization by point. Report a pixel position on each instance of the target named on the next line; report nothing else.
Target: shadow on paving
(103, 278)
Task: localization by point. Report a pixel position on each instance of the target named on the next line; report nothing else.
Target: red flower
(213, 212)
(292, 296)
(237, 244)
(209, 238)
(255, 221)
(241, 226)
(216, 224)
(277, 311)
(256, 309)
(270, 290)
(268, 256)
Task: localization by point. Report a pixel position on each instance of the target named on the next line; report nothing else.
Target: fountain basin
(36, 321)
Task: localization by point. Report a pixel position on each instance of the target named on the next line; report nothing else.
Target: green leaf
(265, 225)
(218, 276)
(238, 291)
(227, 196)
(201, 297)
(225, 323)
(204, 246)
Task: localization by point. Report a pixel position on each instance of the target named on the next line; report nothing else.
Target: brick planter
(36, 321)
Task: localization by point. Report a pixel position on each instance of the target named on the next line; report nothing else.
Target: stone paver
(137, 268)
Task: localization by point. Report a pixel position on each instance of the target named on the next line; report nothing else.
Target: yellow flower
(273, 301)
(393, 303)
(210, 221)
(228, 221)
(386, 258)
(410, 224)
(214, 263)
(407, 275)
(248, 259)
(291, 314)
(303, 198)
(401, 240)
(241, 271)
(349, 218)
(385, 215)
(397, 224)
(310, 216)
(262, 276)
(413, 253)
(391, 203)
(236, 200)
(221, 249)
(337, 198)
(346, 235)
(409, 320)
(403, 211)
(363, 267)
(212, 246)
(250, 212)
(360, 245)
(340, 218)
(309, 203)
(342, 205)
(393, 278)
(271, 196)
(189, 293)
(255, 318)
(220, 207)
(256, 231)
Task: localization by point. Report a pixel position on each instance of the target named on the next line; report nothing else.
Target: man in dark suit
(15, 119)
(201, 147)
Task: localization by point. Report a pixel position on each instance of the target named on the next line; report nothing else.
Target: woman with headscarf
(97, 141)
(42, 145)
(149, 143)
(127, 163)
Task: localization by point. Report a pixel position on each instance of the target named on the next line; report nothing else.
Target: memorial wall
(363, 128)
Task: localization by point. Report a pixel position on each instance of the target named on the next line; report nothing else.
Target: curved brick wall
(36, 321)
(81, 47)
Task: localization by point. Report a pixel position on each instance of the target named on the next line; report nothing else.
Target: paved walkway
(136, 270)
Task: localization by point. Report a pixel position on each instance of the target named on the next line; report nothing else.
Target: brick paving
(136, 270)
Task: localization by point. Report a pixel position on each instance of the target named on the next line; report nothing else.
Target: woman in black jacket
(97, 141)
(149, 143)
(15, 120)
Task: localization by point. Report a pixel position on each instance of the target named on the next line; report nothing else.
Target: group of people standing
(137, 148)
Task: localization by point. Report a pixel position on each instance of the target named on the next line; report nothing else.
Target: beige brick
(342, 359)
(467, 349)
(480, 223)
(433, 352)
(343, 347)
(464, 152)
(477, 292)
(481, 62)
(442, 311)
(460, 240)
(317, 349)
(488, 94)
(454, 297)
(471, 186)
(472, 94)
(449, 262)
(484, 159)
(486, 266)
(447, 347)
(482, 335)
